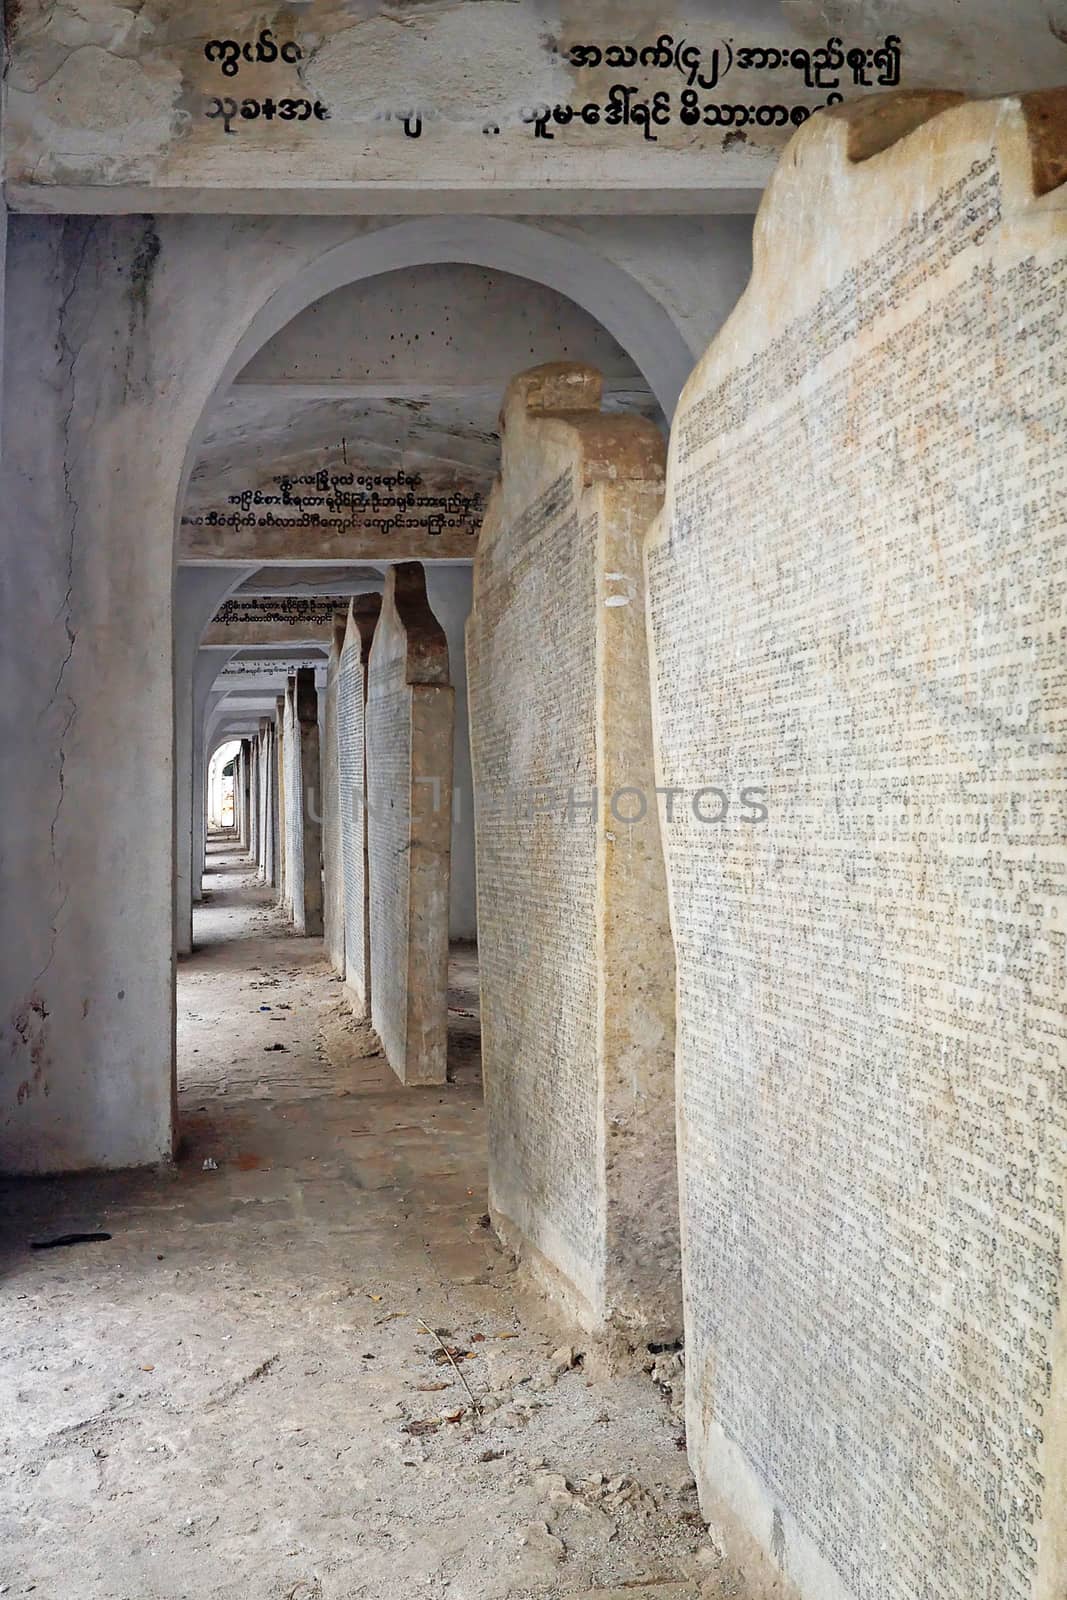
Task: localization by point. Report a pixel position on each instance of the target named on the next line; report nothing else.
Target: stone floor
(244, 1391)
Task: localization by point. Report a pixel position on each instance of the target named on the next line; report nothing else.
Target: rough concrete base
(557, 1286)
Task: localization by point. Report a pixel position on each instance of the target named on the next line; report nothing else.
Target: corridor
(238, 1393)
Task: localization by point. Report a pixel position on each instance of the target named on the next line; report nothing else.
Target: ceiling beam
(420, 390)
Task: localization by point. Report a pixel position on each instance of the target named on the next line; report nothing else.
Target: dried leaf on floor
(446, 1356)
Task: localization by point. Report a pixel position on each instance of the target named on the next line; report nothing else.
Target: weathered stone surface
(409, 714)
(352, 789)
(307, 899)
(281, 767)
(292, 811)
(856, 606)
(575, 957)
(333, 909)
(267, 827)
(478, 105)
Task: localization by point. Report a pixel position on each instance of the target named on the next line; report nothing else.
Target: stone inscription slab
(409, 722)
(352, 773)
(856, 600)
(538, 964)
(333, 911)
(575, 964)
(294, 812)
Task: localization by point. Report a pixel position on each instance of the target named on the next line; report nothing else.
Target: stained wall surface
(409, 733)
(574, 948)
(352, 796)
(856, 604)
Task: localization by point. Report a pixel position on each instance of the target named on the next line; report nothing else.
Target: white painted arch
(639, 322)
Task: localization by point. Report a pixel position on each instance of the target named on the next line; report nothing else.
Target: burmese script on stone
(333, 909)
(352, 785)
(576, 967)
(409, 726)
(856, 599)
(299, 107)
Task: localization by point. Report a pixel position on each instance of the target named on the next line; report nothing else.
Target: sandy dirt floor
(244, 1392)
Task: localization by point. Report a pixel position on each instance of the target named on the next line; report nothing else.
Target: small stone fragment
(552, 1485)
(537, 1536)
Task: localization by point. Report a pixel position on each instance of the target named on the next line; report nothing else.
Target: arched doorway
(611, 297)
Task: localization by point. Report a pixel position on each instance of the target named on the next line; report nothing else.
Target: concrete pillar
(86, 861)
(238, 785)
(309, 813)
(208, 665)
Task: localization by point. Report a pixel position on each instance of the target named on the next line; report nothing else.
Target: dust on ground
(301, 1368)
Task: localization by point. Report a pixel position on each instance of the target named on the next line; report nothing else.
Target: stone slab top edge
(874, 125)
(849, 158)
(567, 395)
(427, 646)
(362, 616)
(854, 145)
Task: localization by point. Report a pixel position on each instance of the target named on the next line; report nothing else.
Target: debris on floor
(266, 1410)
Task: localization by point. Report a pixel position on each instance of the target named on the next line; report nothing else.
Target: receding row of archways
(608, 293)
